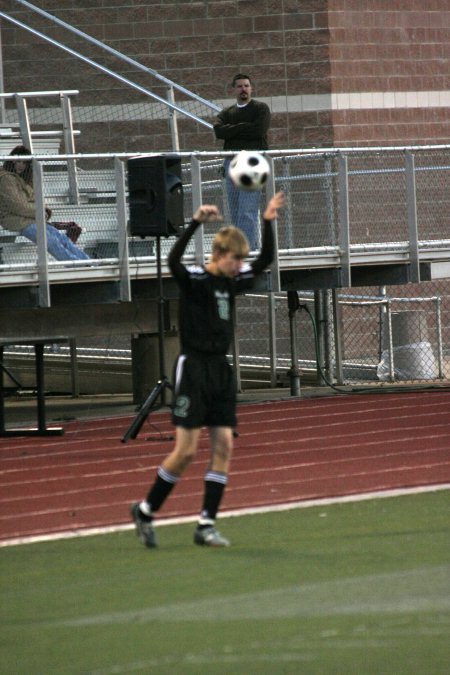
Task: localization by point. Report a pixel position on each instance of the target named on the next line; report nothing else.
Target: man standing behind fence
(243, 126)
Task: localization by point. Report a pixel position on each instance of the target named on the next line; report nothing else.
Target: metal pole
(69, 146)
(328, 333)
(74, 368)
(119, 55)
(2, 82)
(173, 121)
(41, 222)
(391, 346)
(196, 192)
(275, 268)
(337, 321)
(320, 323)
(344, 221)
(411, 206)
(382, 318)
(24, 121)
(294, 375)
(439, 337)
(122, 234)
(103, 69)
(161, 321)
(272, 339)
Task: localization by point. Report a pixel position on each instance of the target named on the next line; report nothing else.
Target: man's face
(243, 90)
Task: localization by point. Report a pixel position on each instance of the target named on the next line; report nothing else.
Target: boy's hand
(277, 202)
(207, 213)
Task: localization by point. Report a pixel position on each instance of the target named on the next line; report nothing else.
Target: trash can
(411, 350)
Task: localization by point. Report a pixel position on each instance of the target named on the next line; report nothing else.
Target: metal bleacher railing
(192, 106)
(19, 131)
(345, 209)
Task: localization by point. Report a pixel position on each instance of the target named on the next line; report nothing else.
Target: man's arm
(225, 132)
(256, 128)
(223, 129)
(206, 213)
(176, 253)
(267, 252)
(260, 125)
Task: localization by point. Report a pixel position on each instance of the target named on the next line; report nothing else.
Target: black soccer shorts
(204, 392)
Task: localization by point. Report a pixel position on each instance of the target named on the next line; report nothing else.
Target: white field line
(394, 593)
(308, 503)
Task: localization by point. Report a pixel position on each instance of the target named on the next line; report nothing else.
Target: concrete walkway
(21, 408)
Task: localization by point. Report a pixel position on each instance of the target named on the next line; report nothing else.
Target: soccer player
(204, 387)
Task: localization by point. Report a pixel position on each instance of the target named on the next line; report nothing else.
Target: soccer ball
(249, 170)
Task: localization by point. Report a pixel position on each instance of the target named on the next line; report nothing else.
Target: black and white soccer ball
(249, 170)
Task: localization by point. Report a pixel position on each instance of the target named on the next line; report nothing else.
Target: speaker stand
(159, 391)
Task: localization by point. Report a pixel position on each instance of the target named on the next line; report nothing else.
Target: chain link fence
(394, 334)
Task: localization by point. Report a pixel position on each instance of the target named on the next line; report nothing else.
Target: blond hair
(230, 238)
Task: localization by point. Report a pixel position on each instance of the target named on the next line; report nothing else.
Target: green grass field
(356, 588)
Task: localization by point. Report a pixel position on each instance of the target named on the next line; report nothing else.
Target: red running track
(287, 451)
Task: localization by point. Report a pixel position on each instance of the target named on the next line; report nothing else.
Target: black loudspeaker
(156, 196)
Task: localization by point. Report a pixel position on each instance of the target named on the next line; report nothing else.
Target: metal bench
(98, 239)
(93, 186)
(41, 145)
(100, 230)
(15, 249)
(42, 429)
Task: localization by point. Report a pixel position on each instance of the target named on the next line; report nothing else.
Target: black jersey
(207, 300)
(244, 127)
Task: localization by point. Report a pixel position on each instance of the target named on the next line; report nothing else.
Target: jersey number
(182, 405)
(223, 305)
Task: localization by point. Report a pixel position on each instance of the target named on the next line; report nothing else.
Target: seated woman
(18, 208)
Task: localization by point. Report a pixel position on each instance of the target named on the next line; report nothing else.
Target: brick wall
(397, 56)
(312, 60)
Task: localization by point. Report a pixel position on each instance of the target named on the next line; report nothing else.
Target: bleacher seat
(97, 186)
(15, 250)
(41, 146)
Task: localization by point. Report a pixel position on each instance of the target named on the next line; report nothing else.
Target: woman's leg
(58, 243)
(61, 247)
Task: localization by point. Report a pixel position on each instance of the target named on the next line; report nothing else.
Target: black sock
(162, 487)
(214, 488)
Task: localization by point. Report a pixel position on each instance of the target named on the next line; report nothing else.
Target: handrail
(67, 132)
(106, 70)
(119, 55)
(220, 154)
(31, 94)
(344, 254)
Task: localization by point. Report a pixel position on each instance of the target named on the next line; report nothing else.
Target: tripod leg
(143, 413)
